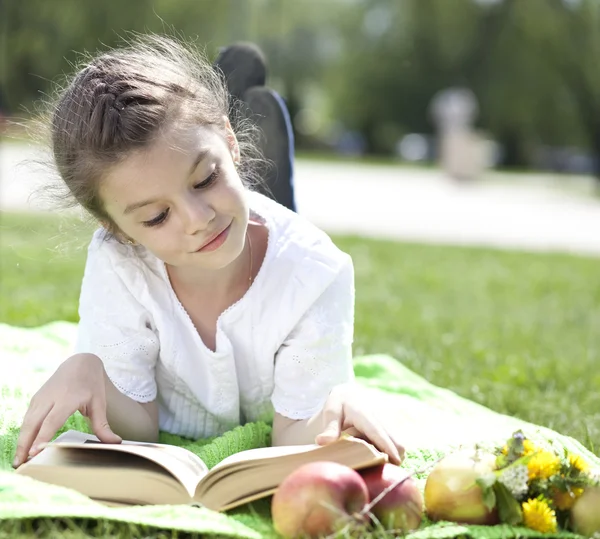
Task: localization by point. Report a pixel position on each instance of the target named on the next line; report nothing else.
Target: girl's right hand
(77, 385)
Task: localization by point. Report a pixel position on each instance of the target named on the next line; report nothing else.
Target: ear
(116, 233)
(110, 227)
(232, 141)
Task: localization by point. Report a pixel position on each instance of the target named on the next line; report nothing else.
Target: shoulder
(301, 258)
(295, 239)
(102, 245)
(104, 250)
(108, 259)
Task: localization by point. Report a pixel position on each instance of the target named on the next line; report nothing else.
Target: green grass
(41, 264)
(516, 332)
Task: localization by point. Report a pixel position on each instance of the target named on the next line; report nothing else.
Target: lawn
(513, 331)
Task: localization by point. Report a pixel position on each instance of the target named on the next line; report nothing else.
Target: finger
(367, 419)
(394, 432)
(55, 419)
(34, 417)
(380, 438)
(100, 424)
(354, 432)
(399, 447)
(333, 418)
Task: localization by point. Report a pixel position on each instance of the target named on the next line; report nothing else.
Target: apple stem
(384, 492)
(360, 517)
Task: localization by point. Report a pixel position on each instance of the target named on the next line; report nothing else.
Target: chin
(221, 258)
(217, 261)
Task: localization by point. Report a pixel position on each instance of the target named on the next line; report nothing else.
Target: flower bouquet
(521, 484)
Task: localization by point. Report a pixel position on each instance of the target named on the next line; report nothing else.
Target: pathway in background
(408, 204)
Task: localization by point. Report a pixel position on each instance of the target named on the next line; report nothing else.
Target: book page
(287, 450)
(182, 464)
(119, 477)
(264, 453)
(257, 472)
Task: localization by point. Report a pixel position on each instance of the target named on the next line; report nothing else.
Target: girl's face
(182, 198)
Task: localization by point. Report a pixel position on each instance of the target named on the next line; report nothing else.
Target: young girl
(204, 304)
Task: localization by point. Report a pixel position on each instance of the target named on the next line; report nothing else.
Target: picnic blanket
(434, 420)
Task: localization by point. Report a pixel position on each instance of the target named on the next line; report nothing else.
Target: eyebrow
(137, 205)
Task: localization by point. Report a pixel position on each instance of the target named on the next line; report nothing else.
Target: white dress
(283, 346)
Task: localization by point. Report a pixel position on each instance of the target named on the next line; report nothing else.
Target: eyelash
(159, 219)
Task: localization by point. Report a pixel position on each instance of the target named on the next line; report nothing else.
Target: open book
(137, 473)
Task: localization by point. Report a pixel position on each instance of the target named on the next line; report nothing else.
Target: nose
(197, 214)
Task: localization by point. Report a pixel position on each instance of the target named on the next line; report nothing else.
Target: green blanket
(433, 419)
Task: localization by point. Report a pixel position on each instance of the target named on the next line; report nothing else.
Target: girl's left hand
(347, 410)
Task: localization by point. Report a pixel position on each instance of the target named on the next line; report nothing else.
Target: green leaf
(489, 498)
(509, 509)
(515, 446)
(501, 461)
(486, 483)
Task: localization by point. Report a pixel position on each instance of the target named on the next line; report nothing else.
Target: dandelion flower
(543, 465)
(528, 448)
(578, 463)
(564, 500)
(538, 516)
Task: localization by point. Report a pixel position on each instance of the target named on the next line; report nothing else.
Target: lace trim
(297, 414)
(138, 348)
(139, 397)
(119, 358)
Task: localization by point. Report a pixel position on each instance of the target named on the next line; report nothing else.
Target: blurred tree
(526, 102)
(41, 39)
(397, 55)
(369, 66)
(300, 40)
(569, 44)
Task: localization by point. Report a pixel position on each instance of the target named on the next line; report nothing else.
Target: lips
(216, 240)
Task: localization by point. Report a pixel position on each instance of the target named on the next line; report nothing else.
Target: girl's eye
(211, 179)
(160, 218)
(157, 220)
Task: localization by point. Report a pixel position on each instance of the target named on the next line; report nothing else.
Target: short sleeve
(115, 327)
(317, 355)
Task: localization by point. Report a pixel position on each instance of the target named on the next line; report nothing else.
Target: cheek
(161, 239)
(167, 247)
(231, 194)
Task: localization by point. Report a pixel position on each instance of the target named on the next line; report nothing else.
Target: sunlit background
(360, 76)
(425, 122)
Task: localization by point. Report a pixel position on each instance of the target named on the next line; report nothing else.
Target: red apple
(317, 499)
(451, 492)
(585, 513)
(402, 507)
